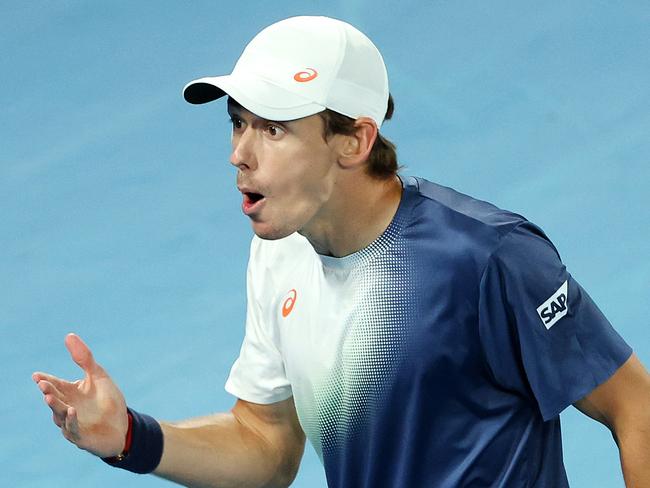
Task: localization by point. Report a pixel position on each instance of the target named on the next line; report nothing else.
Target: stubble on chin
(270, 233)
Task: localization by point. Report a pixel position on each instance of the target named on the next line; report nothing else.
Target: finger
(59, 384)
(39, 376)
(67, 435)
(72, 422)
(48, 388)
(58, 406)
(82, 355)
(57, 420)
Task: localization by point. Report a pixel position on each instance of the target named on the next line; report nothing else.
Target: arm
(253, 445)
(622, 404)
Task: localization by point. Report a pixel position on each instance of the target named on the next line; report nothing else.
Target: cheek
(305, 173)
(311, 188)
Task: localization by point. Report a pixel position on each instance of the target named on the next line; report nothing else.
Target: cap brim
(256, 95)
(202, 91)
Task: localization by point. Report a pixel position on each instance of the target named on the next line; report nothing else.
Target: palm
(90, 412)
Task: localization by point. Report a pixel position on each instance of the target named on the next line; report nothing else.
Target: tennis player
(416, 336)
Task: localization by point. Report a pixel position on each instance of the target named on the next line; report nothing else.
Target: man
(418, 337)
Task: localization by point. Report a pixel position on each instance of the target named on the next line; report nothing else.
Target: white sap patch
(556, 307)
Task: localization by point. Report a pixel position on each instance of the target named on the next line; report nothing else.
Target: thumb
(82, 355)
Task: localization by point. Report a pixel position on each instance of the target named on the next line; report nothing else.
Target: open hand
(90, 412)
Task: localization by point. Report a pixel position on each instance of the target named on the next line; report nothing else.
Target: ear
(355, 148)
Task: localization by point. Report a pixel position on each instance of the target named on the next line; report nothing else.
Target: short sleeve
(258, 374)
(542, 334)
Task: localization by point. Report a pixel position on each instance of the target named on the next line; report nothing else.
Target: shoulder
(465, 228)
(461, 211)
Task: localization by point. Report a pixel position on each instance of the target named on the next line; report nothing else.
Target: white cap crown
(301, 66)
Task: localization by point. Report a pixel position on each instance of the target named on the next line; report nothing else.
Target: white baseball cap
(301, 66)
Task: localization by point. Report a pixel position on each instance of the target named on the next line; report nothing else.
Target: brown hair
(382, 162)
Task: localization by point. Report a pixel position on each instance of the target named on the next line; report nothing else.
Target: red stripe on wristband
(128, 440)
(129, 435)
(143, 445)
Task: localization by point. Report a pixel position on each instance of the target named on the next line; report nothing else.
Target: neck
(360, 210)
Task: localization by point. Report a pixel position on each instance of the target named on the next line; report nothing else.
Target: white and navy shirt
(440, 355)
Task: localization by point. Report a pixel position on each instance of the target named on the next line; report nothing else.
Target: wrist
(128, 439)
(143, 445)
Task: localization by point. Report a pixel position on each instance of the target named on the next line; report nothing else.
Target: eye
(274, 130)
(236, 122)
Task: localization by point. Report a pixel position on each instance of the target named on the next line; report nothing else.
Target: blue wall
(121, 221)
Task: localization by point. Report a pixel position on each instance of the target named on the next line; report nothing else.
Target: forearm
(221, 451)
(634, 447)
(622, 403)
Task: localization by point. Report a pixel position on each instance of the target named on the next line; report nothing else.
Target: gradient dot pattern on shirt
(372, 344)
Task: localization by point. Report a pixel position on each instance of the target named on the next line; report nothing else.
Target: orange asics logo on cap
(288, 304)
(307, 75)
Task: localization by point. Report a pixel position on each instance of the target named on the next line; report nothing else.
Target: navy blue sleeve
(542, 334)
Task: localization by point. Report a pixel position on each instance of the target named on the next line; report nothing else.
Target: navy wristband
(146, 446)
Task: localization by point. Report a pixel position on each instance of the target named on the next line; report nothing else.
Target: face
(286, 172)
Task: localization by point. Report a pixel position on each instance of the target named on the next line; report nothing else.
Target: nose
(243, 154)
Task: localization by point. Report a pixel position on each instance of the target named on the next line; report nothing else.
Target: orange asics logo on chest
(304, 76)
(288, 304)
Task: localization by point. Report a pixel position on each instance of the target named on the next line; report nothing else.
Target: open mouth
(251, 201)
(253, 197)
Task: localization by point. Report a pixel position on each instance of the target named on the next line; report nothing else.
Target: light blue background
(121, 221)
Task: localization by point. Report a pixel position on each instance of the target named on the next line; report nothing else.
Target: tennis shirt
(439, 356)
